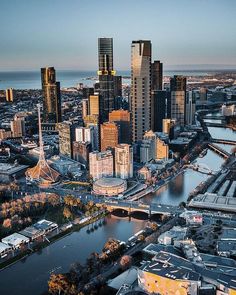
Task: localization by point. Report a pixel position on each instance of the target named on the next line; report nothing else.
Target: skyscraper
(86, 134)
(109, 135)
(158, 109)
(140, 88)
(66, 137)
(10, 94)
(157, 75)
(18, 127)
(106, 73)
(123, 119)
(177, 101)
(190, 107)
(51, 96)
(94, 104)
(124, 161)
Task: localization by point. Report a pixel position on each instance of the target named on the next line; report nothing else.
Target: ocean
(68, 78)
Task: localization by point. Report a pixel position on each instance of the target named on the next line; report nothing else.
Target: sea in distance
(70, 78)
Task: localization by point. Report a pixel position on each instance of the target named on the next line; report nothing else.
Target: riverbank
(75, 227)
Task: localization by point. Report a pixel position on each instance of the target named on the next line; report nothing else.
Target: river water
(30, 275)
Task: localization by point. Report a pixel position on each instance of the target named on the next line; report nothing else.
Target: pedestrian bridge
(219, 150)
(223, 141)
(131, 207)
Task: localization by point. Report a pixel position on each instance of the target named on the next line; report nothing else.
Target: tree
(125, 261)
(60, 284)
(7, 223)
(67, 213)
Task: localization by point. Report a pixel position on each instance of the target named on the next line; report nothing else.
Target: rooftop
(15, 239)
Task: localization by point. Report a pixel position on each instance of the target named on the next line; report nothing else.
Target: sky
(63, 33)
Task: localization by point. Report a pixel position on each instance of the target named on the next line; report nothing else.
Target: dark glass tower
(51, 96)
(106, 77)
(158, 109)
(157, 75)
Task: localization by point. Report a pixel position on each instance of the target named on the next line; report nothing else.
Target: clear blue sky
(63, 33)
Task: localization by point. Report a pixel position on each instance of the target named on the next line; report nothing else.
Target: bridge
(201, 167)
(213, 117)
(223, 141)
(131, 207)
(211, 124)
(218, 150)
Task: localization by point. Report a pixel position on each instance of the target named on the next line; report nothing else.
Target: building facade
(10, 94)
(157, 75)
(123, 119)
(101, 164)
(66, 138)
(158, 109)
(109, 135)
(140, 88)
(81, 152)
(162, 150)
(124, 161)
(51, 96)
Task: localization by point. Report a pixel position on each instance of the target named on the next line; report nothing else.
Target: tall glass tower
(106, 77)
(141, 54)
(51, 96)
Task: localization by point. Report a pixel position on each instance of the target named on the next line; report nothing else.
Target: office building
(10, 94)
(158, 109)
(94, 108)
(124, 161)
(109, 135)
(87, 91)
(162, 150)
(81, 152)
(152, 138)
(85, 108)
(146, 151)
(157, 75)
(106, 73)
(123, 119)
(101, 164)
(203, 94)
(140, 88)
(66, 138)
(168, 126)
(93, 121)
(117, 86)
(51, 96)
(177, 101)
(190, 108)
(86, 134)
(18, 127)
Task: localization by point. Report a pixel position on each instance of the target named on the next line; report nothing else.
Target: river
(30, 275)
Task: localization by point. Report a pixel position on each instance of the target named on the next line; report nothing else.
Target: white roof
(3, 247)
(15, 239)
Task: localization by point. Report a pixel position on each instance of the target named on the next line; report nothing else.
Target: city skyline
(182, 35)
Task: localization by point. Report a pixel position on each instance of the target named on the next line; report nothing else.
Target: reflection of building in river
(177, 187)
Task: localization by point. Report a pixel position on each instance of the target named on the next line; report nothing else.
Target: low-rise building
(15, 240)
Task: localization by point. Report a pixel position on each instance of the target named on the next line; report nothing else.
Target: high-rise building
(106, 76)
(85, 108)
(158, 109)
(117, 86)
(101, 164)
(140, 88)
(190, 107)
(177, 102)
(10, 94)
(18, 127)
(87, 91)
(167, 125)
(109, 135)
(146, 151)
(157, 75)
(81, 152)
(151, 136)
(124, 161)
(51, 96)
(123, 119)
(93, 121)
(162, 150)
(66, 138)
(203, 94)
(86, 134)
(94, 107)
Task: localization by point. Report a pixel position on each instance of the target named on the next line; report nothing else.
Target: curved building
(109, 186)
